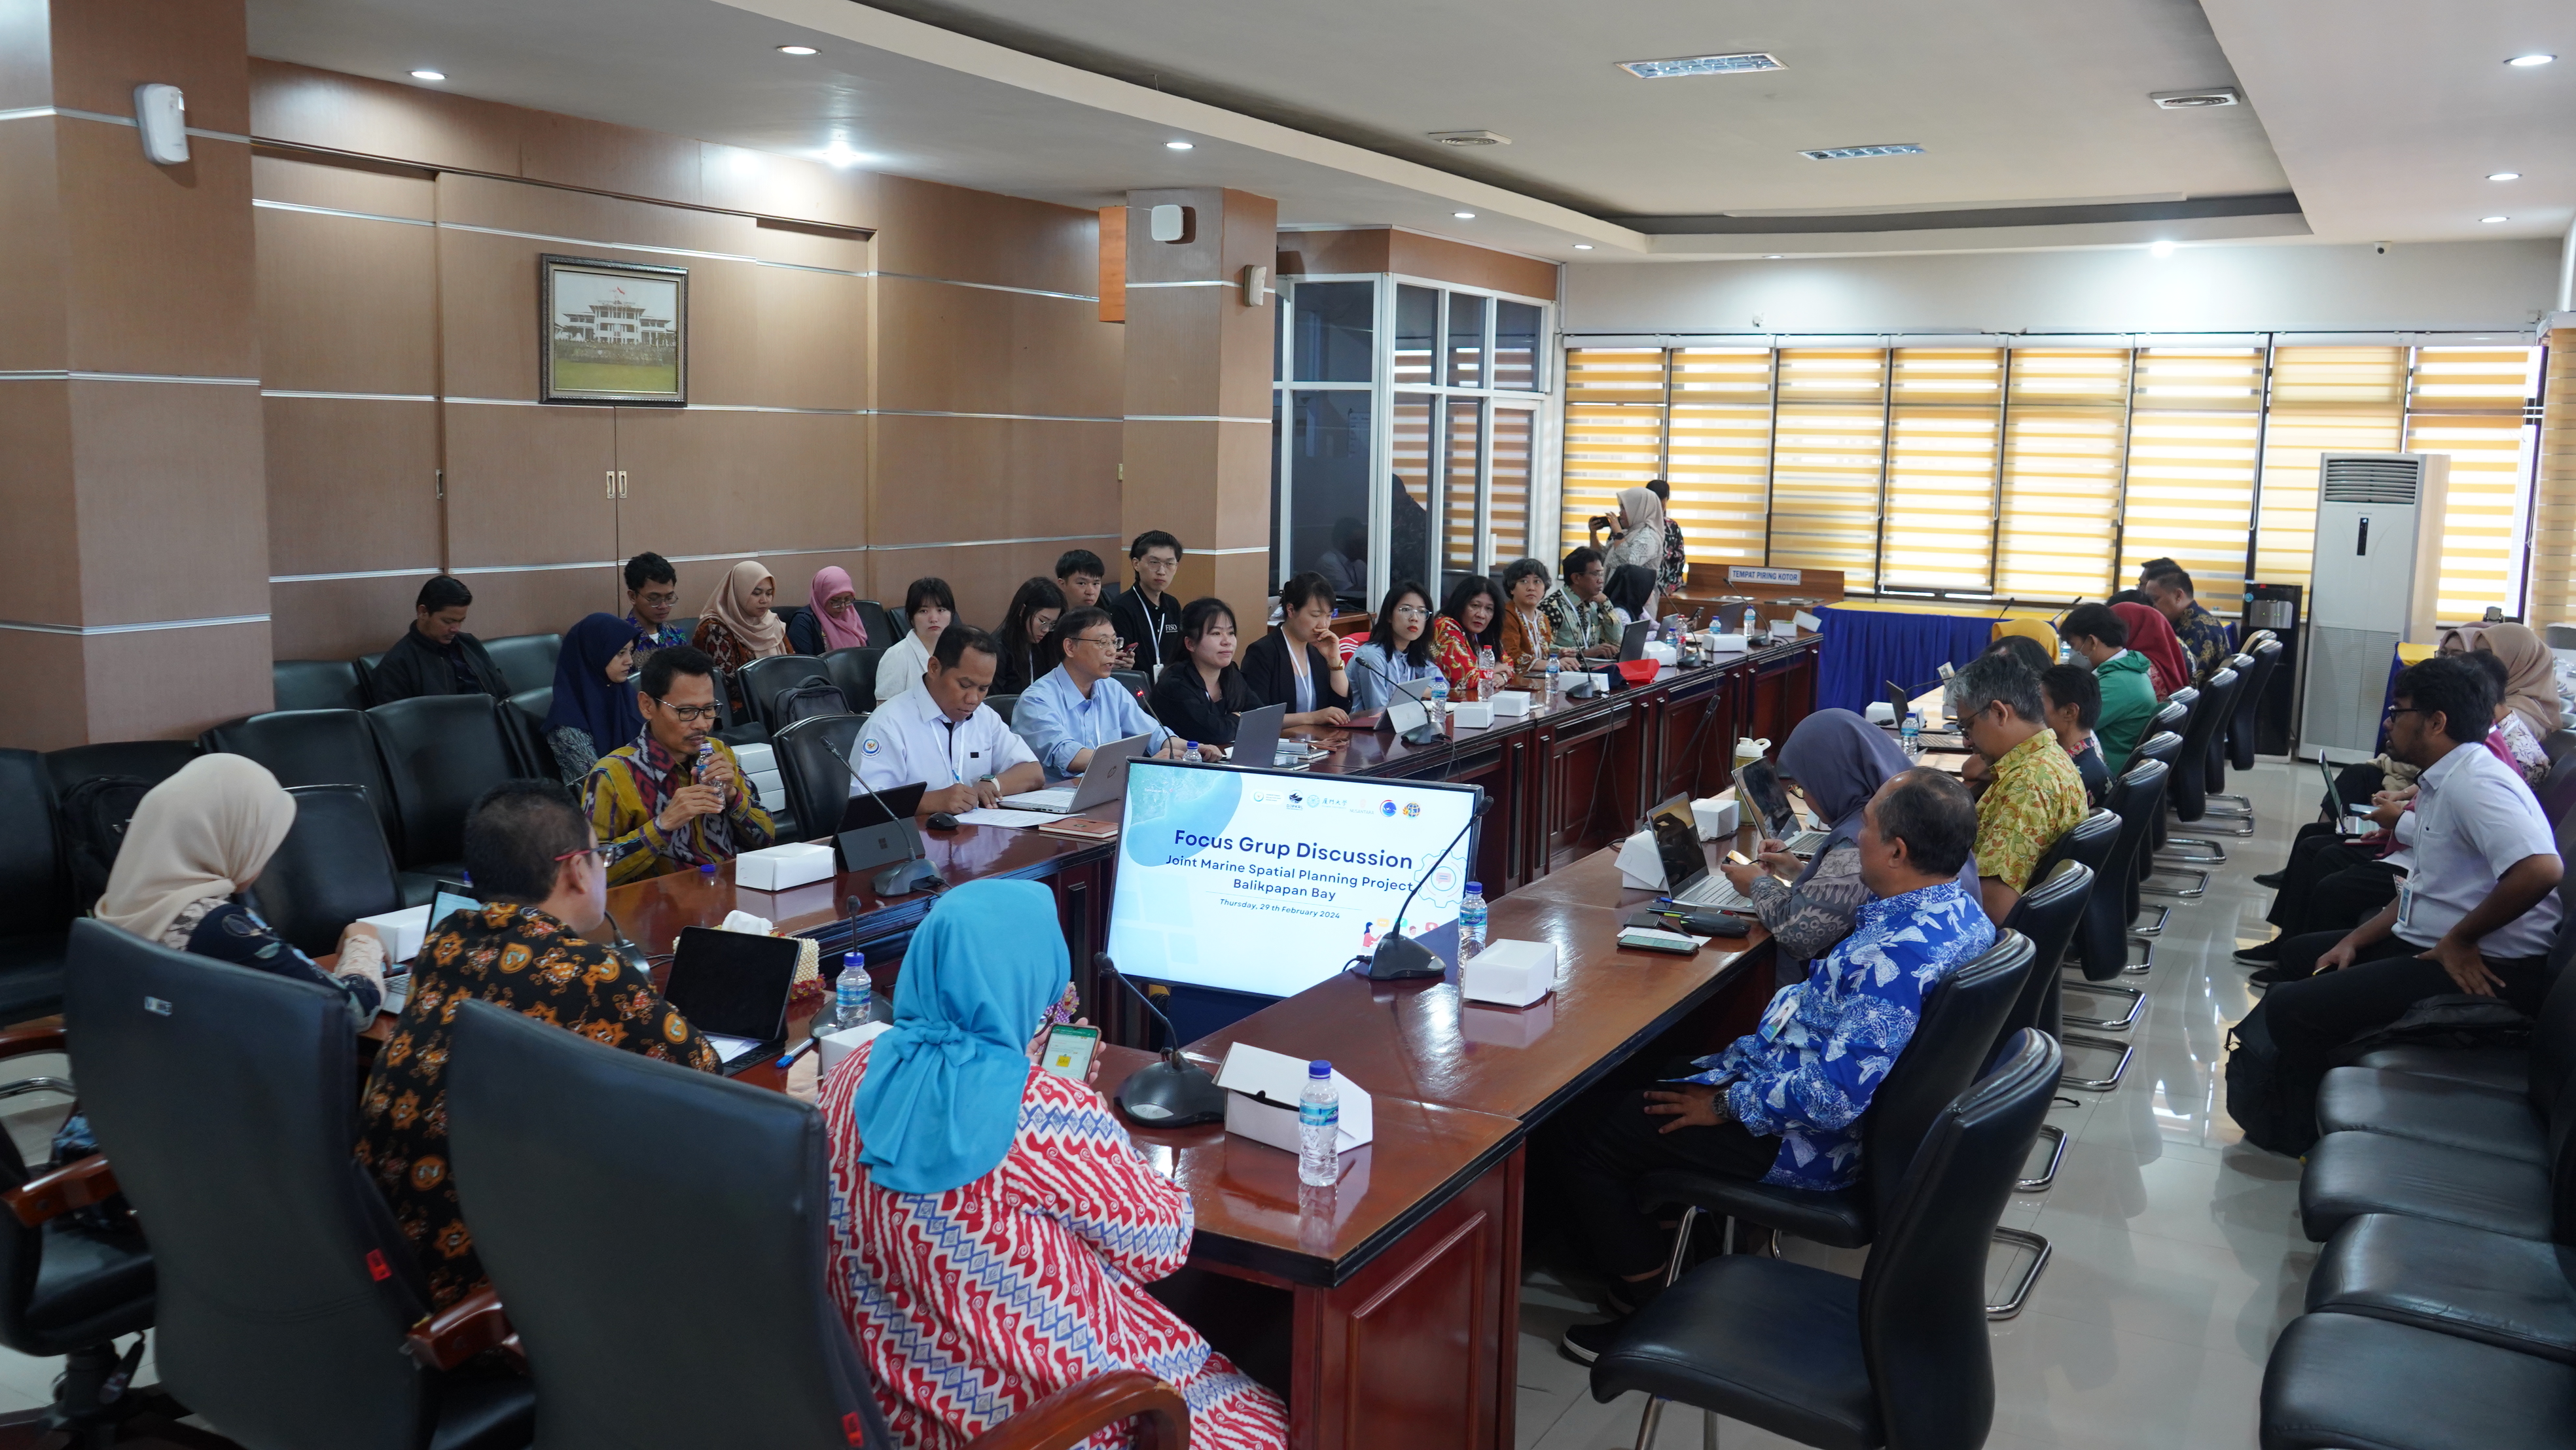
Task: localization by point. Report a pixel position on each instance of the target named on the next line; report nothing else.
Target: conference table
(1387, 1306)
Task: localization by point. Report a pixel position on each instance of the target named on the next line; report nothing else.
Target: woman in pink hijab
(831, 619)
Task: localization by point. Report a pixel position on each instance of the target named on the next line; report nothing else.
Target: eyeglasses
(1411, 611)
(1096, 642)
(2393, 711)
(577, 855)
(658, 599)
(686, 714)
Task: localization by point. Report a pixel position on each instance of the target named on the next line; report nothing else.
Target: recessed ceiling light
(1583, 246)
(1469, 138)
(1773, 256)
(841, 153)
(1464, 216)
(796, 50)
(2531, 60)
(2504, 176)
(1180, 145)
(2492, 220)
(1854, 153)
(429, 75)
(2160, 249)
(2199, 100)
(1702, 65)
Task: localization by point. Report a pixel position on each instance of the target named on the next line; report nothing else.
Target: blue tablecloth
(1866, 648)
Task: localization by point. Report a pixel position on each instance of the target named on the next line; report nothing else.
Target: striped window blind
(1718, 450)
(2469, 402)
(1409, 435)
(1942, 448)
(2324, 400)
(1614, 430)
(1829, 461)
(2553, 529)
(2065, 440)
(1459, 438)
(1508, 508)
(2190, 486)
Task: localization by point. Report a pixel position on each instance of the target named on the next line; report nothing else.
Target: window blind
(2469, 402)
(2553, 529)
(1409, 435)
(2065, 431)
(1942, 444)
(1508, 508)
(1829, 461)
(1459, 437)
(1614, 431)
(2190, 485)
(2324, 400)
(1718, 450)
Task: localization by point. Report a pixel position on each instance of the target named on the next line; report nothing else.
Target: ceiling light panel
(1678, 67)
(2527, 61)
(1854, 153)
(1470, 138)
(2199, 100)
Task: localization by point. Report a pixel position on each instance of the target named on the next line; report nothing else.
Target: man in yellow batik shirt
(675, 799)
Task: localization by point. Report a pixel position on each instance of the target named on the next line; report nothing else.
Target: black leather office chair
(2244, 730)
(441, 752)
(2202, 747)
(317, 685)
(2094, 841)
(2435, 1110)
(883, 628)
(1953, 1038)
(150, 760)
(36, 907)
(1134, 682)
(321, 747)
(2164, 747)
(222, 1098)
(333, 868)
(526, 661)
(1003, 705)
(523, 721)
(566, 1199)
(2049, 914)
(817, 783)
(1898, 1357)
(855, 672)
(2336, 1381)
(366, 668)
(763, 680)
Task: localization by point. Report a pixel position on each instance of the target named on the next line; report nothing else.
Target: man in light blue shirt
(1076, 708)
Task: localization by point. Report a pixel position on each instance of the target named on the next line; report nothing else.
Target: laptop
(2349, 820)
(1257, 742)
(449, 898)
(1632, 640)
(733, 987)
(863, 810)
(1687, 878)
(1757, 784)
(1104, 782)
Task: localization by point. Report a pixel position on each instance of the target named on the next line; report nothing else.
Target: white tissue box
(1509, 973)
(1641, 863)
(768, 788)
(1662, 653)
(1262, 1092)
(780, 867)
(832, 1048)
(1879, 712)
(1511, 704)
(1473, 714)
(759, 758)
(1507, 1026)
(1715, 816)
(1726, 644)
(402, 930)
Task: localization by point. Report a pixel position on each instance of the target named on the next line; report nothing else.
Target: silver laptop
(1256, 735)
(1757, 784)
(1104, 782)
(1687, 879)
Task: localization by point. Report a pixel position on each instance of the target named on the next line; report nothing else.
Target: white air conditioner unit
(2378, 567)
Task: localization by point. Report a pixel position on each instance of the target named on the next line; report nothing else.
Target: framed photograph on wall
(611, 332)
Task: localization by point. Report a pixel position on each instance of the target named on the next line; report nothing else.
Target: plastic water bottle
(1471, 921)
(1555, 678)
(851, 1004)
(1438, 698)
(1912, 731)
(1319, 1126)
(1748, 621)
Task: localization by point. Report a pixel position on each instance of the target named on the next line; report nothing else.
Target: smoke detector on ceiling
(2199, 100)
(1470, 138)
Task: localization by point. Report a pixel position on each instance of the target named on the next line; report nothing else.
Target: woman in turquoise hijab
(993, 1228)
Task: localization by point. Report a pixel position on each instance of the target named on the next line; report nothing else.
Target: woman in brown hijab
(2531, 675)
(738, 625)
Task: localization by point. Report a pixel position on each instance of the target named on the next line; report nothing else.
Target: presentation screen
(1270, 881)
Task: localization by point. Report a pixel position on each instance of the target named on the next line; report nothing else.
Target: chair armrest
(1072, 1414)
(19, 1041)
(51, 1195)
(451, 1336)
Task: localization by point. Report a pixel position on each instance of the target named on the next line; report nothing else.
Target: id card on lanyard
(1783, 1009)
(2405, 905)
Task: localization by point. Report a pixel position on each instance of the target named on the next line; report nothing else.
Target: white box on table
(776, 868)
(402, 930)
(1261, 1101)
(1715, 815)
(1511, 704)
(1509, 973)
(1473, 714)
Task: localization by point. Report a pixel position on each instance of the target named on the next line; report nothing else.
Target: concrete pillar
(134, 556)
(1197, 447)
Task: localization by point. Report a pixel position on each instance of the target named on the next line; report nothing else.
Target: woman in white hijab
(197, 841)
(1639, 539)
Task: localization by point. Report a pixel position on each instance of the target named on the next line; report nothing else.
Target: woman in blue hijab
(594, 705)
(1839, 761)
(993, 1229)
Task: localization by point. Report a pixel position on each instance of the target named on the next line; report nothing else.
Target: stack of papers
(996, 816)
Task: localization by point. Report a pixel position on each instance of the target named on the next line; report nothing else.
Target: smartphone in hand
(1069, 1050)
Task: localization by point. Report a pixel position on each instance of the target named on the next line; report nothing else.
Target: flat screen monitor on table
(1268, 881)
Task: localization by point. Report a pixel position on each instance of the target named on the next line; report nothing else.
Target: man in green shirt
(1578, 614)
(2101, 638)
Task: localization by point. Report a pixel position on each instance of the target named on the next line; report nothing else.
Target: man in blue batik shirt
(1783, 1103)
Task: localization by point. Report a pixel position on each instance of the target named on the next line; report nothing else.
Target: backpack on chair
(807, 698)
(95, 814)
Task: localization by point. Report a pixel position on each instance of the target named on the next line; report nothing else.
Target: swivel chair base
(2192, 851)
(2155, 927)
(2137, 1003)
(2055, 1138)
(2106, 1082)
(2039, 1251)
(2178, 882)
(2146, 955)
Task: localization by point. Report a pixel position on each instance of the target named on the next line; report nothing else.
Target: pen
(799, 1050)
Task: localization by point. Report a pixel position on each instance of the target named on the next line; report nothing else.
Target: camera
(1601, 521)
(2379, 249)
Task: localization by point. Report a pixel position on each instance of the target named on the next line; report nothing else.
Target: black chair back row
(317, 685)
(2217, 702)
(2136, 798)
(526, 661)
(809, 755)
(855, 671)
(2244, 728)
(332, 869)
(36, 907)
(2165, 746)
(2049, 914)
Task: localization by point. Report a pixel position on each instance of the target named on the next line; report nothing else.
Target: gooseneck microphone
(1172, 1093)
(1399, 957)
(1425, 733)
(912, 872)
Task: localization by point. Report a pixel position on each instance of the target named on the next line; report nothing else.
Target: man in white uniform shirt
(942, 734)
(2478, 912)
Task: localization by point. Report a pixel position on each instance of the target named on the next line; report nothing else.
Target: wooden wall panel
(1390, 249)
(705, 481)
(40, 555)
(537, 601)
(55, 659)
(348, 305)
(339, 619)
(35, 323)
(970, 350)
(352, 485)
(368, 188)
(173, 511)
(101, 52)
(526, 485)
(930, 230)
(123, 220)
(170, 684)
(1324, 253)
(813, 338)
(1027, 478)
(983, 576)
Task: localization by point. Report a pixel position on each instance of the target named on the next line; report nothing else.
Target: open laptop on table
(1104, 782)
(1687, 877)
(1632, 640)
(1757, 784)
(733, 987)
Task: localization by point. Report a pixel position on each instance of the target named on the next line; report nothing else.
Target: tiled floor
(2178, 1256)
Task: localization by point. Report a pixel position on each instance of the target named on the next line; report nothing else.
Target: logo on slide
(1386, 808)
(1412, 809)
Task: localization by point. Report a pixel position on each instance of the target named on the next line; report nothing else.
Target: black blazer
(1179, 699)
(1016, 669)
(1265, 669)
(416, 667)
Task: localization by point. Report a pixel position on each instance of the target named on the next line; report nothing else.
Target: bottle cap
(1476, 887)
(854, 959)
(1319, 1068)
